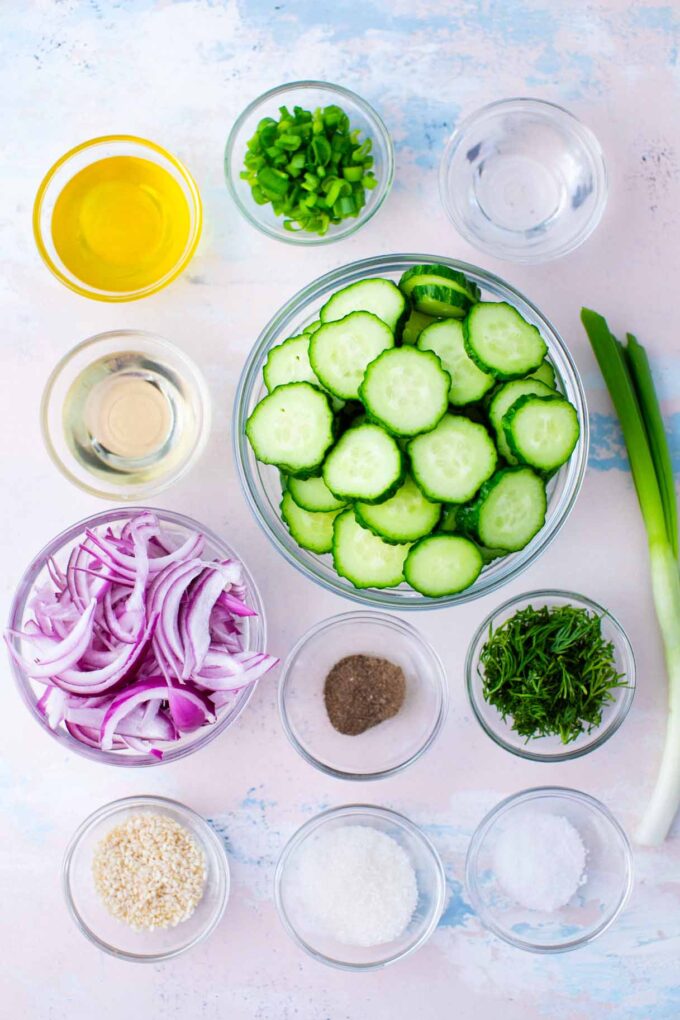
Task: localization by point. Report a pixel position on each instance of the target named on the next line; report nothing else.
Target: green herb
(311, 167)
(550, 671)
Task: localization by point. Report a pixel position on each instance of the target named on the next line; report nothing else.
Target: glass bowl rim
(353, 224)
(624, 700)
(194, 377)
(117, 296)
(208, 835)
(525, 796)
(369, 811)
(385, 620)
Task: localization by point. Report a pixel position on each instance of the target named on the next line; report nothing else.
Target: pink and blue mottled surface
(179, 72)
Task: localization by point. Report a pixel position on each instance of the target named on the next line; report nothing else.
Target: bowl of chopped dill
(550, 675)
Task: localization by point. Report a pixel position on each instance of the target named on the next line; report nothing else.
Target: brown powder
(361, 691)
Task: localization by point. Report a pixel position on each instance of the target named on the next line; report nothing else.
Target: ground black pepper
(361, 691)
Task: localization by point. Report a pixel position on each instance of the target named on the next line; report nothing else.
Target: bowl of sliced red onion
(137, 636)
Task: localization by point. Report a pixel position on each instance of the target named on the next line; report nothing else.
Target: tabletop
(179, 73)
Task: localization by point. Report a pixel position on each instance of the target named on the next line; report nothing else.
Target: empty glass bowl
(429, 876)
(550, 748)
(114, 936)
(390, 746)
(309, 95)
(607, 879)
(523, 180)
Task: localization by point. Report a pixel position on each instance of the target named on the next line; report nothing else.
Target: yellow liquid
(121, 224)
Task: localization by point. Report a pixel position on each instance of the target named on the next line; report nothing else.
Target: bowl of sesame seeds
(146, 878)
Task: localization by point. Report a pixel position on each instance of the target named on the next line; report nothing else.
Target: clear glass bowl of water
(523, 180)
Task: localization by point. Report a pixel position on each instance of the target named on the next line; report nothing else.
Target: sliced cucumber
(289, 362)
(313, 531)
(452, 462)
(404, 517)
(339, 351)
(313, 494)
(292, 428)
(414, 326)
(443, 565)
(501, 342)
(542, 431)
(406, 390)
(312, 327)
(438, 275)
(365, 463)
(509, 510)
(381, 297)
(440, 300)
(363, 558)
(468, 382)
(503, 399)
(545, 373)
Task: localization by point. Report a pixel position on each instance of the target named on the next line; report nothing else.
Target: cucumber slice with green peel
(313, 494)
(365, 464)
(438, 275)
(404, 517)
(542, 431)
(380, 297)
(289, 362)
(443, 565)
(406, 390)
(468, 382)
(313, 531)
(449, 518)
(503, 399)
(292, 428)
(501, 342)
(450, 463)
(545, 373)
(440, 301)
(339, 351)
(312, 327)
(453, 521)
(414, 326)
(509, 510)
(364, 558)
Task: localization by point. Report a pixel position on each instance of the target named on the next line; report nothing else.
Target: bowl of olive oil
(117, 218)
(125, 414)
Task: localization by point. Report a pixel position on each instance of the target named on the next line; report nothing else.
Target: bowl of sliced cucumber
(410, 431)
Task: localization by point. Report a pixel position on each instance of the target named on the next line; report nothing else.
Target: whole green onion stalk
(629, 380)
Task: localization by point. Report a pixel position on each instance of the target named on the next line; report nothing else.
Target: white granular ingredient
(356, 885)
(539, 860)
(149, 871)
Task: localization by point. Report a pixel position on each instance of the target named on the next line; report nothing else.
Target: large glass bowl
(261, 482)
(254, 635)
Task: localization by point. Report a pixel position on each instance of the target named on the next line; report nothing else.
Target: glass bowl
(429, 875)
(83, 155)
(261, 483)
(254, 635)
(133, 354)
(309, 95)
(597, 902)
(523, 180)
(390, 746)
(551, 748)
(114, 936)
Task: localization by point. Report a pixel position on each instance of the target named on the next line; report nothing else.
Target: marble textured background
(179, 72)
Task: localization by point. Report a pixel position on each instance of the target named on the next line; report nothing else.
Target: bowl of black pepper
(362, 695)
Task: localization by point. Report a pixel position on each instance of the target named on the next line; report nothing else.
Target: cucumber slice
(501, 342)
(440, 300)
(542, 431)
(363, 558)
(289, 362)
(414, 326)
(339, 351)
(364, 464)
(404, 517)
(450, 463)
(292, 428)
(313, 531)
(438, 275)
(313, 494)
(468, 382)
(381, 297)
(545, 373)
(312, 327)
(509, 510)
(503, 399)
(443, 565)
(406, 390)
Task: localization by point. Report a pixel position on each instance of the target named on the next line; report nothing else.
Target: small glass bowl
(185, 390)
(593, 907)
(309, 95)
(36, 574)
(551, 748)
(75, 160)
(114, 936)
(385, 749)
(523, 180)
(429, 875)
